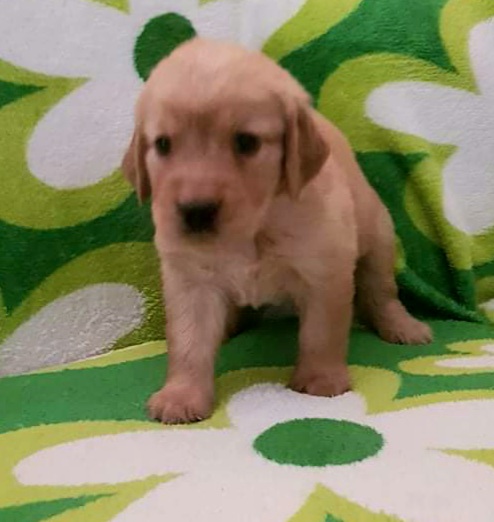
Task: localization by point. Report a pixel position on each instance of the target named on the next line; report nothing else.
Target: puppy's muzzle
(199, 217)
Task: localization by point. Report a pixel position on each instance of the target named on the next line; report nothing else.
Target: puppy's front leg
(196, 321)
(325, 320)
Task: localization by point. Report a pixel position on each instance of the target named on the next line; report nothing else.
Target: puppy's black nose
(199, 216)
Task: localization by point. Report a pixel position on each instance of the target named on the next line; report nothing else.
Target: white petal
(468, 188)
(73, 38)
(257, 408)
(455, 425)
(486, 361)
(482, 58)
(249, 22)
(145, 10)
(438, 114)
(83, 138)
(217, 20)
(418, 486)
(81, 324)
(223, 495)
(124, 457)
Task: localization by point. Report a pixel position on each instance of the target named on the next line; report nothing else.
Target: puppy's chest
(255, 282)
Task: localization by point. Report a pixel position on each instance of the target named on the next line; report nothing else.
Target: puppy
(256, 199)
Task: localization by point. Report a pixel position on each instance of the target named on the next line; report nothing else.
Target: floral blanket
(410, 83)
(413, 441)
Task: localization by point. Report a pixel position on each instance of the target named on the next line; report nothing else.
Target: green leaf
(331, 518)
(11, 92)
(121, 5)
(38, 511)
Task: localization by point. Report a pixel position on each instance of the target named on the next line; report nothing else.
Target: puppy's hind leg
(377, 292)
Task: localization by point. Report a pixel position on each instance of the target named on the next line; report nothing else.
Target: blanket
(412, 442)
(412, 86)
(410, 83)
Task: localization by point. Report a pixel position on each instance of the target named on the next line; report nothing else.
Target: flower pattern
(468, 357)
(81, 140)
(66, 330)
(278, 447)
(70, 71)
(450, 116)
(413, 442)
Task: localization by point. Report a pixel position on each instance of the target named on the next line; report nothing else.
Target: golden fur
(297, 221)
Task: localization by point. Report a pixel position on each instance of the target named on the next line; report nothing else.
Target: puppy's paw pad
(407, 331)
(173, 405)
(327, 384)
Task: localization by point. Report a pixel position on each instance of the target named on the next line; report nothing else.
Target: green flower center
(318, 442)
(158, 39)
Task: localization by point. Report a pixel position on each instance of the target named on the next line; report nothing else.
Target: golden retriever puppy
(256, 199)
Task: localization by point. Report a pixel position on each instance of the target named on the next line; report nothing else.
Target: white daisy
(81, 324)
(82, 139)
(449, 116)
(279, 447)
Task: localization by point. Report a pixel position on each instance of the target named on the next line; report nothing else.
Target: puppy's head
(220, 132)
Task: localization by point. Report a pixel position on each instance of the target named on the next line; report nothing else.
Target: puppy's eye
(163, 145)
(246, 144)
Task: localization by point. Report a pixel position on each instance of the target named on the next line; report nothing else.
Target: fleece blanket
(410, 83)
(413, 441)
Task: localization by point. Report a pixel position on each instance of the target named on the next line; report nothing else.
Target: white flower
(448, 116)
(264, 467)
(82, 139)
(81, 324)
(485, 362)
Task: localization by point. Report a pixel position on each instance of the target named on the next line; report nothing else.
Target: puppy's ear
(305, 149)
(134, 167)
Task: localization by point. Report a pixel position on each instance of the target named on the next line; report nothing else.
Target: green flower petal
(44, 510)
(324, 500)
(11, 92)
(121, 5)
(485, 456)
(314, 19)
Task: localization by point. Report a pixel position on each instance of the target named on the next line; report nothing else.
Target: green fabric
(38, 511)
(406, 82)
(67, 242)
(389, 41)
(288, 447)
(155, 42)
(333, 442)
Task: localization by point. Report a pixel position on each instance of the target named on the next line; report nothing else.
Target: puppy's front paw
(180, 404)
(405, 330)
(327, 383)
